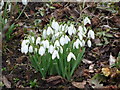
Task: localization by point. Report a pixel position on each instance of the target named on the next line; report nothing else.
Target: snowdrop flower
(60, 49)
(38, 40)
(71, 30)
(77, 43)
(1, 4)
(44, 34)
(86, 21)
(9, 7)
(83, 43)
(51, 49)
(89, 43)
(57, 44)
(49, 31)
(25, 42)
(70, 56)
(24, 46)
(42, 51)
(55, 26)
(24, 49)
(24, 2)
(62, 40)
(91, 34)
(45, 43)
(55, 54)
(30, 49)
(67, 39)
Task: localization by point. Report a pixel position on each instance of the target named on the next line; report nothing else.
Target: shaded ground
(17, 71)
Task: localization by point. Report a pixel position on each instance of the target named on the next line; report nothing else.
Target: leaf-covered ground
(16, 69)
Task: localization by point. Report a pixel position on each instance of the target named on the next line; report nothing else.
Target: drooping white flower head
(1, 4)
(42, 51)
(51, 49)
(86, 21)
(44, 34)
(24, 2)
(55, 55)
(45, 43)
(25, 42)
(24, 49)
(30, 49)
(49, 31)
(62, 40)
(91, 34)
(70, 56)
(38, 40)
(56, 44)
(89, 43)
(55, 26)
(83, 43)
(77, 44)
(67, 39)
(24, 46)
(71, 29)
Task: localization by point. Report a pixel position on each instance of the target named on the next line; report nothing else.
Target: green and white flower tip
(42, 50)
(57, 44)
(89, 43)
(86, 21)
(55, 55)
(24, 2)
(70, 56)
(91, 34)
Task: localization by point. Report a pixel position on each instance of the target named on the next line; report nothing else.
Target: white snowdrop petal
(55, 26)
(89, 43)
(44, 34)
(91, 34)
(55, 54)
(62, 40)
(86, 21)
(70, 56)
(38, 40)
(24, 2)
(30, 49)
(42, 51)
(51, 49)
(24, 49)
(57, 44)
(49, 31)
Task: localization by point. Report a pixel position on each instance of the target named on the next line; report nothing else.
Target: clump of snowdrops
(59, 49)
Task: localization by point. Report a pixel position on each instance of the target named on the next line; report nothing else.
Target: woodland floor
(16, 69)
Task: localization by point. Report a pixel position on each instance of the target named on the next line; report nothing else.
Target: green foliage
(33, 83)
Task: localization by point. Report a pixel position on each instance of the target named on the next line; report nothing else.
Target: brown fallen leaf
(54, 80)
(21, 59)
(79, 84)
(6, 82)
